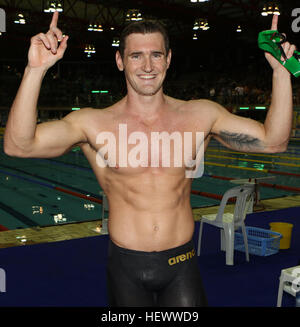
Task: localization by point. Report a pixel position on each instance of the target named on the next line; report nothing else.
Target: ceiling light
(264, 11)
(200, 23)
(270, 9)
(20, 19)
(196, 26)
(89, 50)
(95, 27)
(116, 42)
(276, 11)
(133, 15)
(53, 5)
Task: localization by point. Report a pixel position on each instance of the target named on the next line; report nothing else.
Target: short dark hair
(143, 27)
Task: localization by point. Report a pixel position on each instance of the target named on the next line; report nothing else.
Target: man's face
(145, 62)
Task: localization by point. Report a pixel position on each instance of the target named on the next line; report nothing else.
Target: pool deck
(36, 235)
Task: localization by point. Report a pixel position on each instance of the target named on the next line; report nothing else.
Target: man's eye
(135, 56)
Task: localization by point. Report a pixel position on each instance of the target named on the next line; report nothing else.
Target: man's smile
(147, 76)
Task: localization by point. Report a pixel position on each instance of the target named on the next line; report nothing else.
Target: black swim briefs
(163, 278)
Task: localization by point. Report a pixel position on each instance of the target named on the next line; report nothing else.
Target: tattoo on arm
(240, 141)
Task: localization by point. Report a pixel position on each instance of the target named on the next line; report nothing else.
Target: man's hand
(287, 48)
(44, 51)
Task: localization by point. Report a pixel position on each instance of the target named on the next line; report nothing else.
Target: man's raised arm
(23, 137)
(244, 134)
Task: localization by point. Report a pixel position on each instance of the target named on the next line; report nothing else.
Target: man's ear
(119, 61)
(169, 58)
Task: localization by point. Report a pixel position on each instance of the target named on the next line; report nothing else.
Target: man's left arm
(244, 134)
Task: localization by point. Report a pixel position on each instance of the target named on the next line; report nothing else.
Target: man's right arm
(23, 137)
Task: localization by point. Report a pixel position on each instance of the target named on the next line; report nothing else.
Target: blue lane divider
(26, 179)
(18, 215)
(58, 162)
(43, 178)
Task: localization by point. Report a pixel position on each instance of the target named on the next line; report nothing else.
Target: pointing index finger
(274, 22)
(54, 19)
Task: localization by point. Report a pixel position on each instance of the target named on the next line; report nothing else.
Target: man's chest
(126, 145)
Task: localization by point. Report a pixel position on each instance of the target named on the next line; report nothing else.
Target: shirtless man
(151, 259)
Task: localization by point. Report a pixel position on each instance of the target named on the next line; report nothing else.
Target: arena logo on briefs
(2, 281)
(296, 21)
(2, 20)
(181, 257)
(138, 155)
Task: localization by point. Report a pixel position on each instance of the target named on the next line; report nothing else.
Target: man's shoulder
(88, 113)
(201, 106)
(189, 105)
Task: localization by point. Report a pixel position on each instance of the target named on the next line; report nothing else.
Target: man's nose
(148, 67)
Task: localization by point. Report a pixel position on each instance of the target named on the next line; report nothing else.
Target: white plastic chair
(229, 222)
(289, 281)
